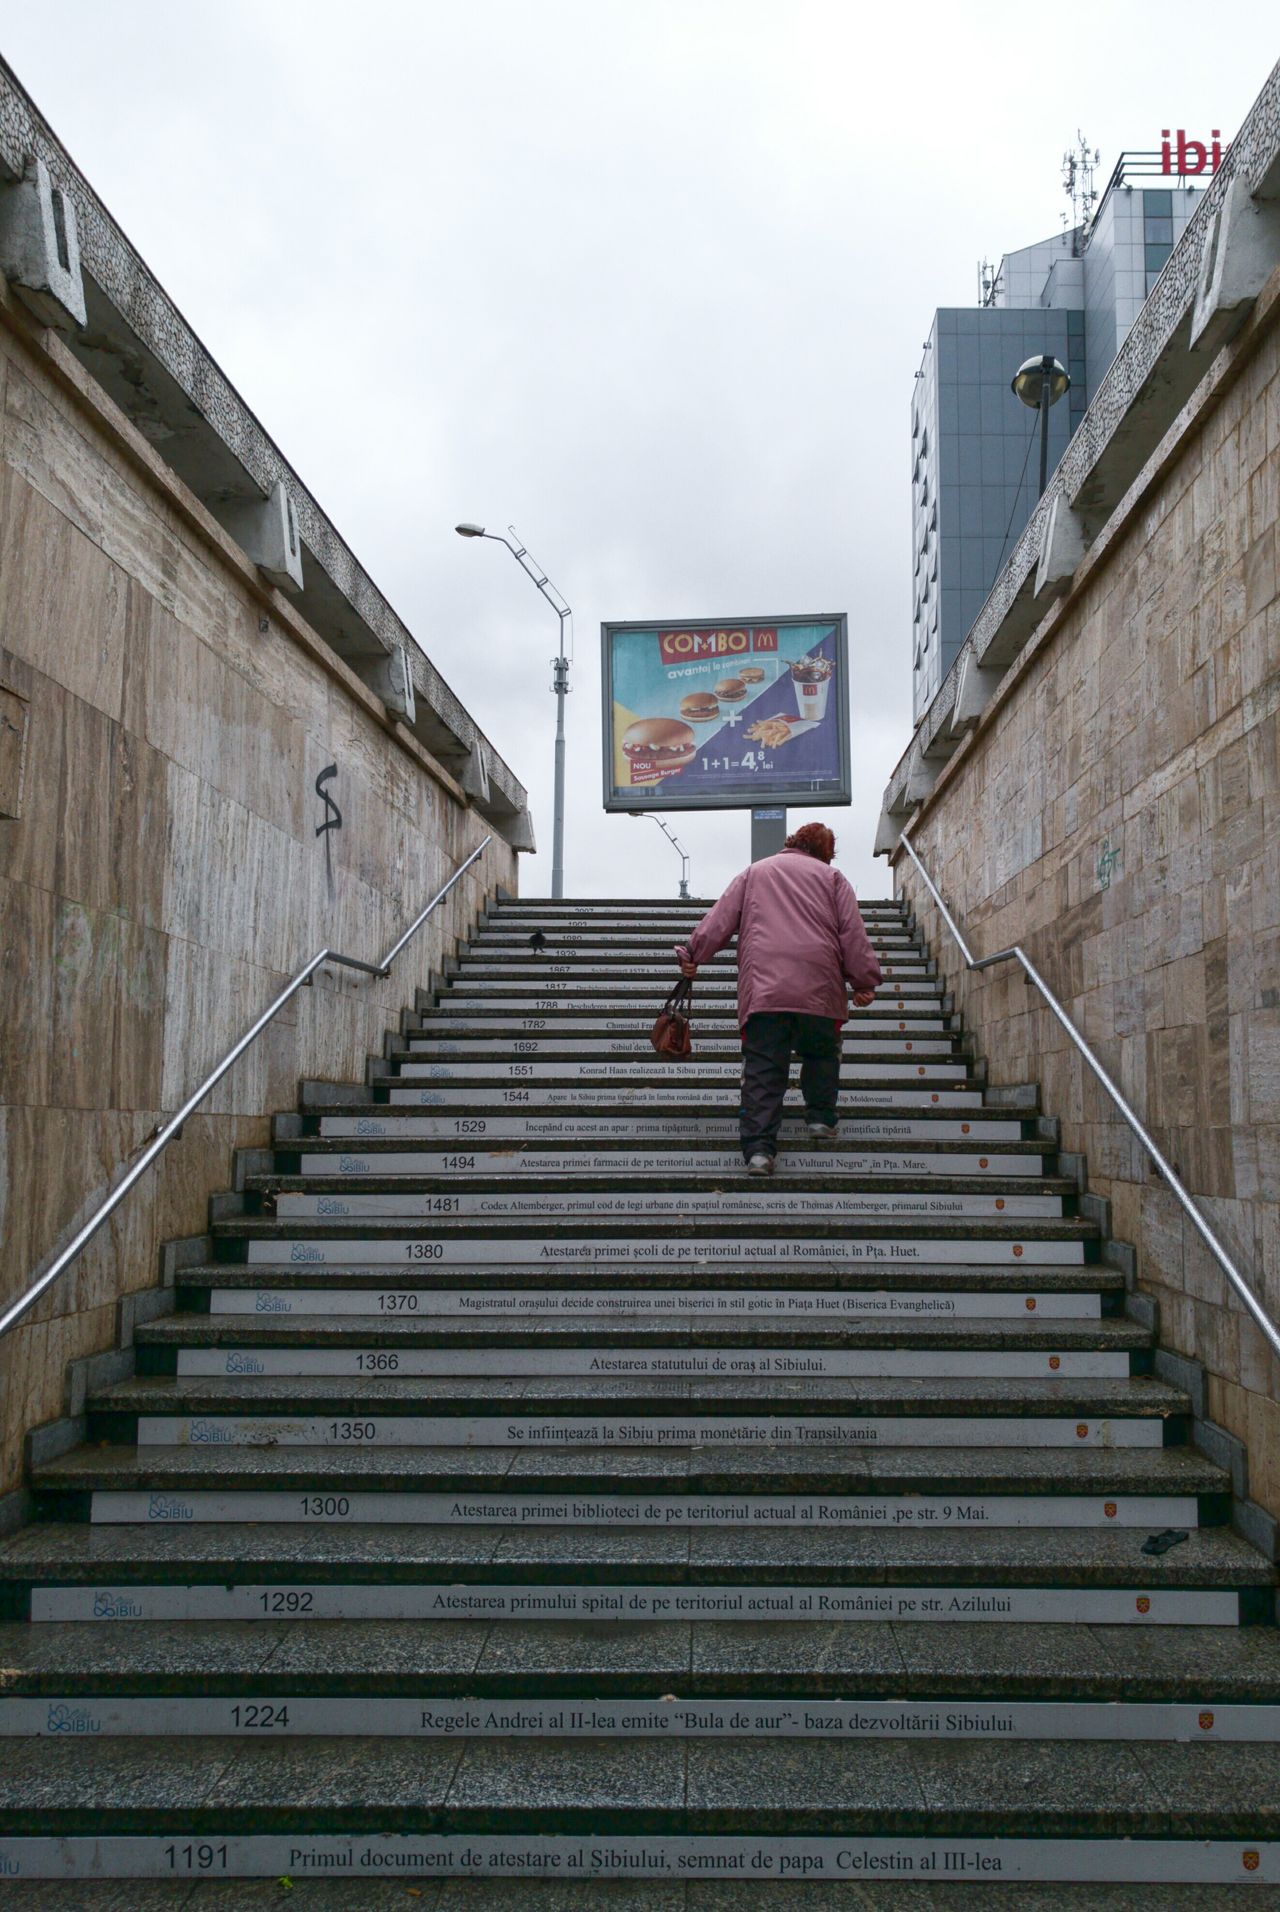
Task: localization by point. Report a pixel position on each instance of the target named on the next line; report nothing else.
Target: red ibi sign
(677, 647)
(1187, 156)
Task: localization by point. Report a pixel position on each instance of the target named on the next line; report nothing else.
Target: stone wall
(163, 718)
(1117, 811)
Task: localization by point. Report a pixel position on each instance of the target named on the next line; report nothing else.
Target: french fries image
(770, 731)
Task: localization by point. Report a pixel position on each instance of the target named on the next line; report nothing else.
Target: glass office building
(974, 446)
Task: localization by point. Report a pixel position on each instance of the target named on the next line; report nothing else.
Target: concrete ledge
(1014, 1095)
(1184, 1374)
(1144, 1309)
(54, 1439)
(247, 1162)
(311, 1093)
(15, 1510)
(1076, 1167)
(96, 1371)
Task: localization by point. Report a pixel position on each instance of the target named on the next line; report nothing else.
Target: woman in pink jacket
(802, 945)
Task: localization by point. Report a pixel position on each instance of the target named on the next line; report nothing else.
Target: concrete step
(692, 1075)
(623, 1491)
(700, 1808)
(766, 1240)
(789, 1325)
(562, 1039)
(630, 965)
(902, 976)
(641, 1347)
(716, 994)
(514, 1660)
(530, 1409)
(71, 1571)
(765, 1433)
(623, 1127)
(611, 1015)
(334, 1160)
(685, 914)
(641, 931)
(640, 1477)
(1074, 1296)
(619, 1197)
(615, 1091)
(290, 1715)
(738, 1289)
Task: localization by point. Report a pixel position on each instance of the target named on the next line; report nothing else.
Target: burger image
(700, 707)
(751, 674)
(731, 690)
(664, 741)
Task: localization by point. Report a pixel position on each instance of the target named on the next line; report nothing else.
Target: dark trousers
(768, 1041)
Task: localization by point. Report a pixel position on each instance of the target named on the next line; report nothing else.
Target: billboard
(726, 714)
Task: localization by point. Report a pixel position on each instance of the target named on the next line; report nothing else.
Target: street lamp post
(559, 680)
(1040, 383)
(675, 843)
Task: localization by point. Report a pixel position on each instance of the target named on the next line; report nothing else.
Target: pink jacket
(801, 938)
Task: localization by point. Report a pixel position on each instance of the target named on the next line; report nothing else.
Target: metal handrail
(1016, 953)
(170, 1130)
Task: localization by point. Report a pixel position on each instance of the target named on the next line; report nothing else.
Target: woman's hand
(687, 969)
(863, 998)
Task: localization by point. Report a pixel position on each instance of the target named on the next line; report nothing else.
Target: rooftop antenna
(1078, 164)
(988, 282)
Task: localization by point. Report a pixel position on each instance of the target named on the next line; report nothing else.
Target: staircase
(518, 1491)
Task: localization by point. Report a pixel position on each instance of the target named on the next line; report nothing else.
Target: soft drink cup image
(811, 681)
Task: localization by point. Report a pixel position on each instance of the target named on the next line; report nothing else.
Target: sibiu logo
(271, 1304)
(71, 1719)
(166, 1507)
(352, 1165)
(330, 1205)
(209, 1434)
(365, 1125)
(244, 1364)
(9, 1868)
(305, 1251)
(112, 1606)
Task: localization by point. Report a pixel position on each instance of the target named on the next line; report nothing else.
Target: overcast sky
(648, 278)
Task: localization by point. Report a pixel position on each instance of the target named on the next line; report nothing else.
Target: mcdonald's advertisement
(726, 714)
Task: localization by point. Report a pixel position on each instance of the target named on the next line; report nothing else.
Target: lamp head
(1034, 374)
(469, 530)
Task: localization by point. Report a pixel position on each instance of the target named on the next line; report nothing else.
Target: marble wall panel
(1149, 723)
(61, 601)
(165, 877)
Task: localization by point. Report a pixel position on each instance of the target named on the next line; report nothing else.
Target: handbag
(671, 1034)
